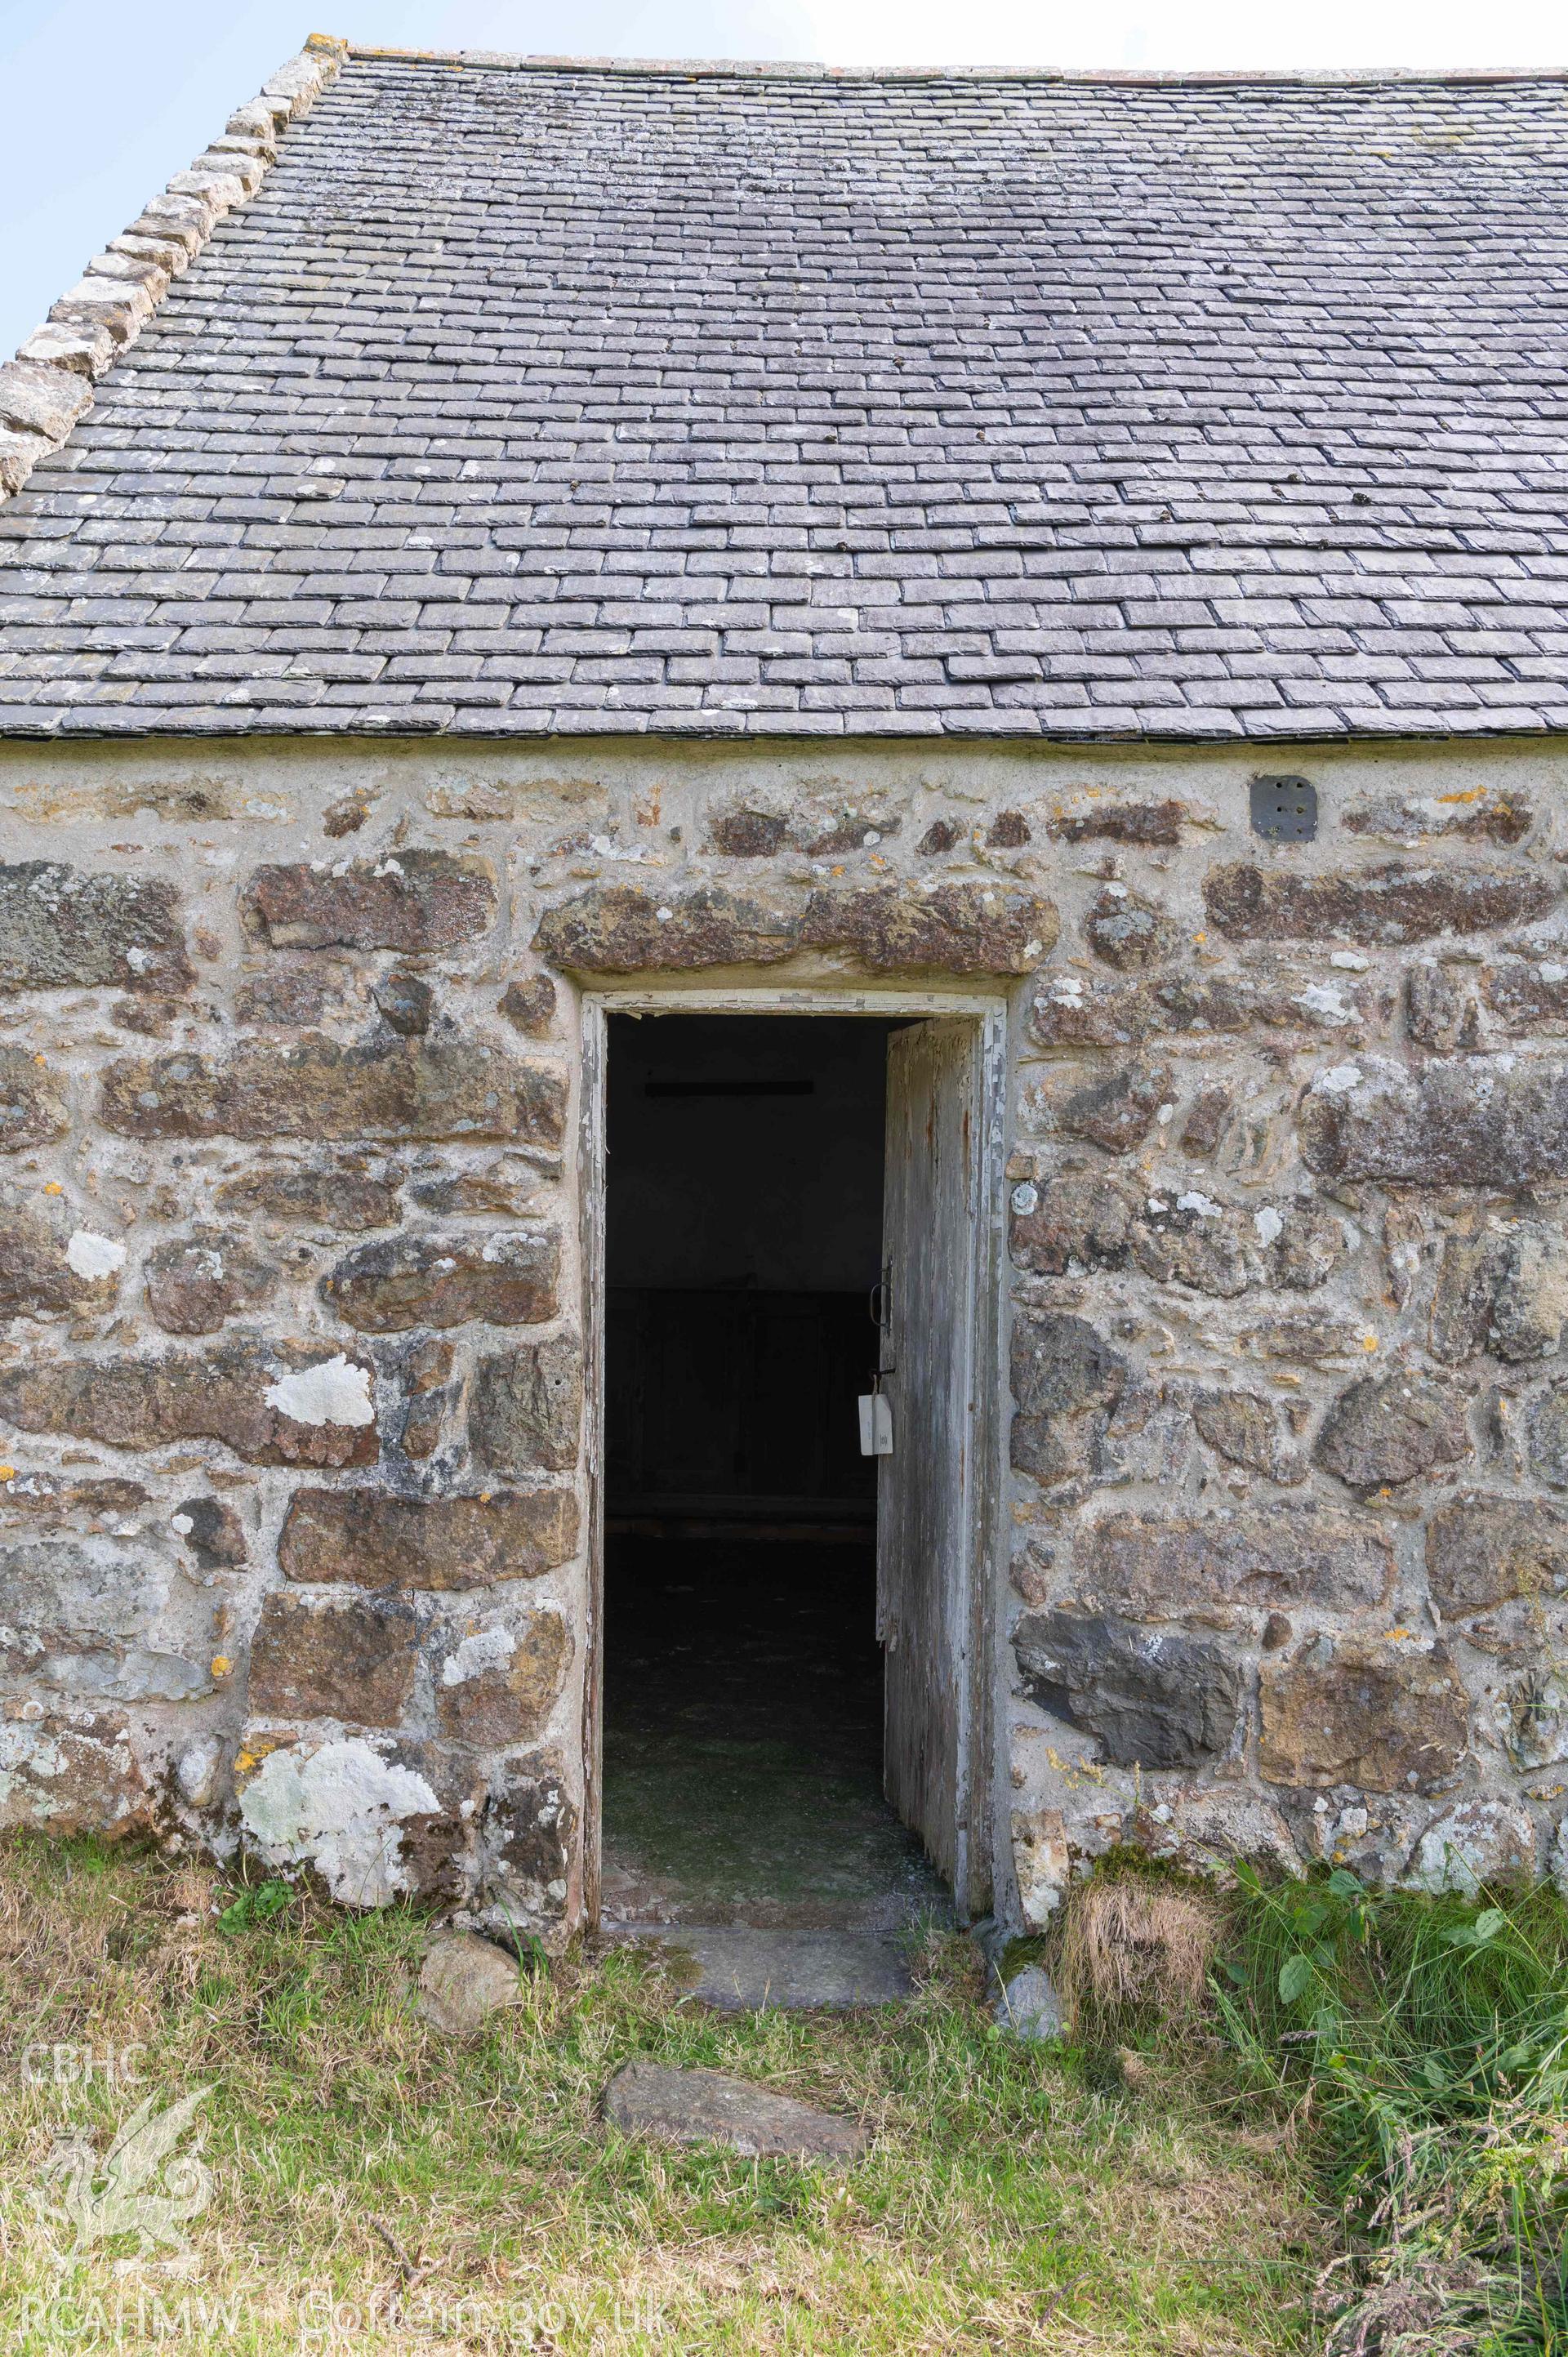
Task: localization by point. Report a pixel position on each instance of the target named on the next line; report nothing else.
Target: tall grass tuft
(1424, 2042)
(1136, 1949)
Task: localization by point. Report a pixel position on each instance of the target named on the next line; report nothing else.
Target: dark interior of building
(743, 1679)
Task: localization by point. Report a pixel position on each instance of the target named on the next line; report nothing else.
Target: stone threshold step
(739, 1970)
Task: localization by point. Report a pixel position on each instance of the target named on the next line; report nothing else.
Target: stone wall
(291, 1391)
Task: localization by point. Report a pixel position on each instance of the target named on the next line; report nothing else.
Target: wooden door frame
(984, 1564)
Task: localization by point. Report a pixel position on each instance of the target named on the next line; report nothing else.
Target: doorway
(791, 1220)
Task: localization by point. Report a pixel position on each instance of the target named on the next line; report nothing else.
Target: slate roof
(547, 396)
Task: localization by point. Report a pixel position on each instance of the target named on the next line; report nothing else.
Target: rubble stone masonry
(294, 1512)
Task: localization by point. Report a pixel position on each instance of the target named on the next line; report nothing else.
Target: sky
(104, 98)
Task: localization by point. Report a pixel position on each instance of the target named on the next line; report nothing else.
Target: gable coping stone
(46, 388)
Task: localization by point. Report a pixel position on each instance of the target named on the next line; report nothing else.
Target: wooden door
(924, 1503)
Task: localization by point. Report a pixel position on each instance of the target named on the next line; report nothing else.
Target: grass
(1421, 2042)
(375, 2187)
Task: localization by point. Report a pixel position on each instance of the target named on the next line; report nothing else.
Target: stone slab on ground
(740, 1970)
(712, 2107)
(1028, 2004)
(463, 1981)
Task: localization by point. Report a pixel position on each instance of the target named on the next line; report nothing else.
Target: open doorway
(790, 1693)
(744, 1685)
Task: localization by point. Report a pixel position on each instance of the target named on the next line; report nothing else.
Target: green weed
(1423, 2041)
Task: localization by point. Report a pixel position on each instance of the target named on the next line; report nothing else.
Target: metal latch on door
(877, 1420)
(875, 1407)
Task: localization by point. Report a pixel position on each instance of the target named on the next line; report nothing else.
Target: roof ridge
(48, 387)
(814, 69)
